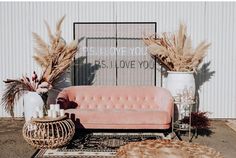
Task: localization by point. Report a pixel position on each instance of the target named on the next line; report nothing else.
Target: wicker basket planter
(47, 133)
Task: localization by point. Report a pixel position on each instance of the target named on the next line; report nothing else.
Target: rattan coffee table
(48, 132)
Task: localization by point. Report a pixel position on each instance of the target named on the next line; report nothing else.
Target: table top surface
(184, 103)
(48, 119)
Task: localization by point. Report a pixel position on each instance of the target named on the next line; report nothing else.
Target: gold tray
(48, 119)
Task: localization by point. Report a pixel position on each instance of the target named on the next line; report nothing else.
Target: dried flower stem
(175, 52)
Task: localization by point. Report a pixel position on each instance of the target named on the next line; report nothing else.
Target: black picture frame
(117, 23)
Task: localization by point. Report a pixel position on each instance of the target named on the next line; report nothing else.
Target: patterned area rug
(96, 145)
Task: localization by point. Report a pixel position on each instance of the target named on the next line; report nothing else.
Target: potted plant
(54, 59)
(175, 53)
(199, 120)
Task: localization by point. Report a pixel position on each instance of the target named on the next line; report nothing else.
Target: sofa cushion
(122, 117)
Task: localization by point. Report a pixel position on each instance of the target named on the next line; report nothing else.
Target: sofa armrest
(167, 104)
(170, 106)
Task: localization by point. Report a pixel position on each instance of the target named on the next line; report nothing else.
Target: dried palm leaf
(14, 90)
(175, 51)
(41, 44)
(58, 27)
(59, 55)
(51, 37)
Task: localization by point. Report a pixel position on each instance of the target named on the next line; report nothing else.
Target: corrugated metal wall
(211, 21)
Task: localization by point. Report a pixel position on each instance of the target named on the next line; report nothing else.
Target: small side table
(48, 132)
(184, 109)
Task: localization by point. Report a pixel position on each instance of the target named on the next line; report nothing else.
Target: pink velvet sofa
(116, 107)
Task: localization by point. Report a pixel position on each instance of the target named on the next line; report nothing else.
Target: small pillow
(66, 104)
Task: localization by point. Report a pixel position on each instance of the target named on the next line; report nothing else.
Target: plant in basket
(54, 58)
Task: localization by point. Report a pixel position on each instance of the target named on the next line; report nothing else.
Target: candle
(49, 113)
(52, 106)
(54, 114)
(62, 112)
(41, 114)
(57, 108)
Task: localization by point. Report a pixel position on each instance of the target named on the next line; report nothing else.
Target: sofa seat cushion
(122, 117)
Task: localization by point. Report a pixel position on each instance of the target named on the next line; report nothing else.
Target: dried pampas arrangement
(14, 90)
(54, 58)
(175, 52)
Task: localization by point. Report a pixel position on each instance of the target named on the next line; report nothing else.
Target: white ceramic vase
(31, 101)
(176, 82)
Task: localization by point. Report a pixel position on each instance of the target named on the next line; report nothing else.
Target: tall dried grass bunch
(174, 51)
(54, 58)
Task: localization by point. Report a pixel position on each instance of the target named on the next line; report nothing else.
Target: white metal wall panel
(219, 94)
(15, 41)
(214, 22)
(17, 21)
(96, 12)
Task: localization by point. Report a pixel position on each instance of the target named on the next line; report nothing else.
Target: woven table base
(48, 133)
(166, 149)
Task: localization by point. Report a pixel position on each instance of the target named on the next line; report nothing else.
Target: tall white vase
(176, 82)
(31, 101)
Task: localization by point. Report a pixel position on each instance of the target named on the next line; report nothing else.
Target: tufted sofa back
(119, 98)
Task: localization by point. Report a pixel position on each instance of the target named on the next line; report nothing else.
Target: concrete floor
(12, 144)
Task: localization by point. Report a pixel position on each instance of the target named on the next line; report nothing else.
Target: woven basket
(48, 133)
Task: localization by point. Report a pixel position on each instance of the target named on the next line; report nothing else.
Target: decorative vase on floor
(176, 82)
(31, 101)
